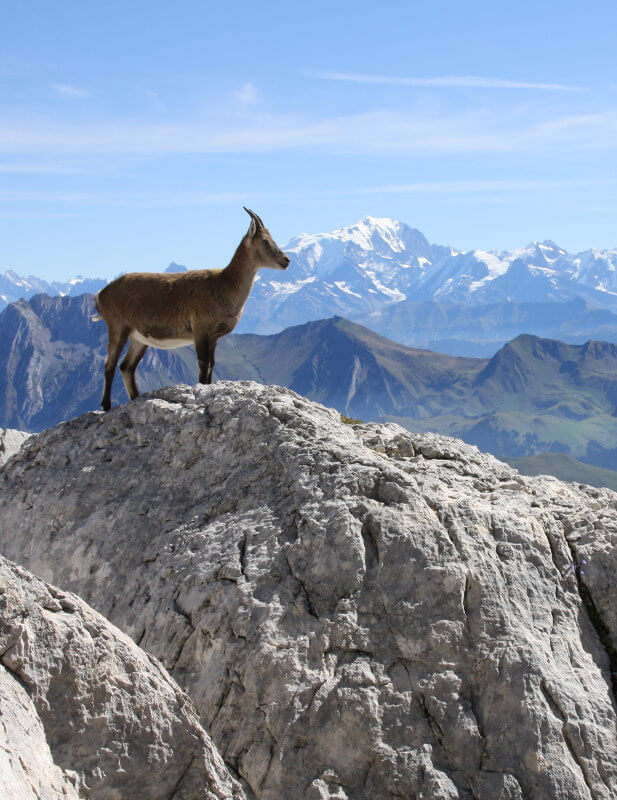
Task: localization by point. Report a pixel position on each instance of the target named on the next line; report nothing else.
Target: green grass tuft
(350, 420)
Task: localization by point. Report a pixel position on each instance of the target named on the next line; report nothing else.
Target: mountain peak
(380, 235)
(548, 245)
(367, 232)
(379, 223)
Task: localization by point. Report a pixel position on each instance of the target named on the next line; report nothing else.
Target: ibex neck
(241, 270)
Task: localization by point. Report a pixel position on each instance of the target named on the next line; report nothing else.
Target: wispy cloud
(247, 95)
(378, 132)
(66, 90)
(45, 196)
(444, 81)
(143, 199)
(479, 190)
(481, 187)
(154, 99)
(36, 168)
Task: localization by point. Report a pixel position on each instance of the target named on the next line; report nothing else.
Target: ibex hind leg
(133, 356)
(115, 345)
(211, 363)
(204, 347)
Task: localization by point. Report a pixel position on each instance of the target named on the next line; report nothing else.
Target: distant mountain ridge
(534, 395)
(565, 468)
(378, 270)
(13, 287)
(480, 330)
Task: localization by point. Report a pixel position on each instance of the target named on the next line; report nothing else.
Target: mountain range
(388, 276)
(13, 287)
(534, 395)
(372, 266)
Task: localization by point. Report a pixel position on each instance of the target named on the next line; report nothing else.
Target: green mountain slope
(344, 365)
(565, 468)
(510, 434)
(534, 395)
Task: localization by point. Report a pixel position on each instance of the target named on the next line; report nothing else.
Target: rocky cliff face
(86, 713)
(356, 612)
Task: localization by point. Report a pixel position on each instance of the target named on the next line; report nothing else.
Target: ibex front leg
(115, 345)
(204, 347)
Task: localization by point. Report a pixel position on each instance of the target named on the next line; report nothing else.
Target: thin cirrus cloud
(36, 167)
(481, 187)
(382, 132)
(487, 189)
(444, 81)
(72, 92)
(247, 95)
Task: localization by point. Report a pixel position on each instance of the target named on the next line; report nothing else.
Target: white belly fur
(165, 344)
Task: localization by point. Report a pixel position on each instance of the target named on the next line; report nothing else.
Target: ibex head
(264, 248)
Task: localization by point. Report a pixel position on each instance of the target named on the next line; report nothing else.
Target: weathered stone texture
(27, 768)
(84, 713)
(356, 612)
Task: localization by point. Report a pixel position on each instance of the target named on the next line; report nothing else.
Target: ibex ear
(256, 223)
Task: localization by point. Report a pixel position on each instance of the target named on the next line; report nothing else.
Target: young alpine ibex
(172, 310)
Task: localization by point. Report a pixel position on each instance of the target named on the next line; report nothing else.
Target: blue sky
(131, 134)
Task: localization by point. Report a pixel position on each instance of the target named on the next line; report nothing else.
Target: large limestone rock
(10, 442)
(84, 713)
(356, 612)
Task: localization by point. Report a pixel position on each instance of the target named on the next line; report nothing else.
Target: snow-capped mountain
(368, 243)
(13, 287)
(369, 267)
(376, 263)
(540, 272)
(349, 272)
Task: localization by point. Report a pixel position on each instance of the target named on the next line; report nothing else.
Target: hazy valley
(534, 395)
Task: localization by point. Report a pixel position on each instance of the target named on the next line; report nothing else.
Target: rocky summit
(357, 612)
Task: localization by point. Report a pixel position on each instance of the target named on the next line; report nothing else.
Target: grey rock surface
(84, 713)
(27, 767)
(357, 612)
(10, 442)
